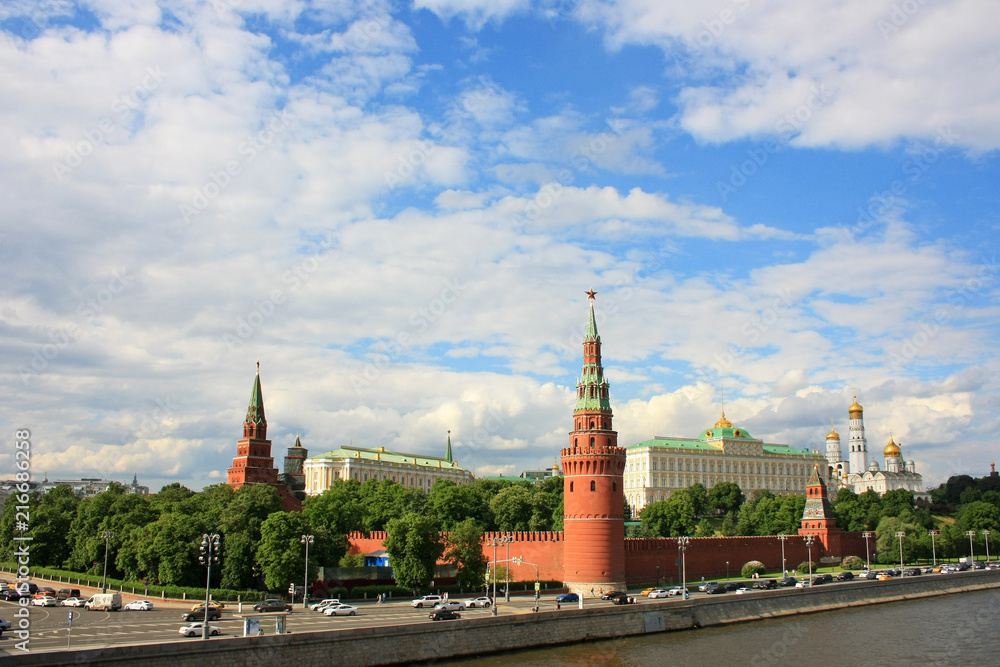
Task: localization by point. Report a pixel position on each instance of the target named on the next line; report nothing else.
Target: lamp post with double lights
(783, 538)
(809, 545)
(986, 534)
(868, 554)
(682, 546)
(933, 534)
(208, 552)
(972, 549)
(901, 534)
(106, 535)
(495, 542)
(306, 540)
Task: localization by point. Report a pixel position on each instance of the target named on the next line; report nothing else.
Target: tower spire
(255, 424)
(447, 451)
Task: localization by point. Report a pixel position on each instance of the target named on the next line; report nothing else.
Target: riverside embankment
(436, 641)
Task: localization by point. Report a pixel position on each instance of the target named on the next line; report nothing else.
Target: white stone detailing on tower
(858, 455)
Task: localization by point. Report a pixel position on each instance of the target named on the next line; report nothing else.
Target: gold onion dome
(723, 422)
(892, 449)
(855, 410)
(832, 435)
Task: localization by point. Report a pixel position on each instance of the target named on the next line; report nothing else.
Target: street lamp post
(809, 545)
(868, 555)
(495, 542)
(209, 553)
(933, 534)
(682, 546)
(306, 540)
(972, 550)
(783, 538)
(727, 570)
(107, 535)
(506, 570)
(986, 534)
(657, 574)
(901, 534)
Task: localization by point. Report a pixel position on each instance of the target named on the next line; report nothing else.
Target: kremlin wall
(591, 553)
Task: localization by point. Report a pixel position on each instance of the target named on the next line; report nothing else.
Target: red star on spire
(591, 294)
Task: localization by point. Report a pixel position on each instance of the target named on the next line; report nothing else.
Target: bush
(752, 568)
(852, 563)
(804, 567)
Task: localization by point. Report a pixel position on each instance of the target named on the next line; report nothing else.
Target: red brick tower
(253, 463)
(817, 518)
(593, 464)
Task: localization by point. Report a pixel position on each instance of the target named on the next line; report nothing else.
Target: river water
(958, 629)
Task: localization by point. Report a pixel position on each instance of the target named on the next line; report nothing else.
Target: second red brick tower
(593, 465)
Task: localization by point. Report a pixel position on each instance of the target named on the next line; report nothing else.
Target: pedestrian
(558, 606)
(592, 593)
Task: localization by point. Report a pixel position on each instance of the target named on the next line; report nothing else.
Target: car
(711, 586)
(743, 589)
(788, 581)
(4, 626)
(845, 576)
(568, 597)
(822, 579)
(765, 584)
(914, 572)
(218, 605)
(483, 602)
(31, 589)
(868, 575)
(72, 602)
(10, 595)
(677, 590)
(443, 615)
(272, 605)
(646, 591)
(139, 605)
(45, 601)
(620, 598)
(454, 605)
(67, 593)
(199, 614)
(323, 604)
(716, 590)
(428, 600)
(197, 630)
(44, 591)
(340, 610)
(802, 584)
(884, 576)
(657, 593)
(612, 594)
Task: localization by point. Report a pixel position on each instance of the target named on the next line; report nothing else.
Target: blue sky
(397, 206)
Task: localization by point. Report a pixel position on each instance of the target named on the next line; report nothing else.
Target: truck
(104, 602)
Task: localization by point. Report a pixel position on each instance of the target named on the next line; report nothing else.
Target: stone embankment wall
(435, 641)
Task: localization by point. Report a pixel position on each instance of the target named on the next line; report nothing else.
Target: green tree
(465, 550)
(386, 500)
(240, 524)
(281, 554)
(979, 515)
(896, 501)
(414, 547)
(725, 497)
(705, 529)
(670, 518)
(51, 521)
(453, 503)
(512, 508)
(339, 509)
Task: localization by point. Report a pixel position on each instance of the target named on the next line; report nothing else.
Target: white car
(658, 593)
(483, 601)
(743, 590)
(195, 630)
(45, 601)
(340, 610)
(677, 590)
(452, 605)
(802, 584)
(429, 600)
(72, 602)
(323, 604)
(139, 605)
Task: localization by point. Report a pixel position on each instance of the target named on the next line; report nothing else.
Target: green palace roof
(710, 440)
(382, 454)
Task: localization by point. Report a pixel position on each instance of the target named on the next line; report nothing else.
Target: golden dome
(892, 449)
(723, 422)
(855, 410)
(832, 435)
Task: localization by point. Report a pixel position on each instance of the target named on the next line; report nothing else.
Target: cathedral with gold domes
(858, 474)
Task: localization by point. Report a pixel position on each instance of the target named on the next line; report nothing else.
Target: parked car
(428, 600)
(646, 591)
(802, 584)
(4, 625)
(868, 575)
(914, 572)
(67, 593)
(45, 601)
(845, 576)
(44, 591)
(443, 615)
(454, 605)
(10, 595)
(711, 586)
(199, 614)
(271, 605)
(743, 589)
(658, 593)
(612, 594)
(765, 584)
(716, 590)
(568, 597)
(822, 579)
(788, 581)
(196, 630)
(884, 576)
(340, 610)
(323, 604)
(482, 601)
(616, 597)
(677, 590)
(72, 602)
(139, 605)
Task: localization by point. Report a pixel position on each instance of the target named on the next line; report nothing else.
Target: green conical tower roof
(592, 325)
(255, 413)
(447, 452)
